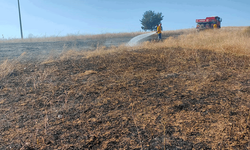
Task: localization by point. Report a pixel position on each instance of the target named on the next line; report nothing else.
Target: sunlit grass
(234, 40)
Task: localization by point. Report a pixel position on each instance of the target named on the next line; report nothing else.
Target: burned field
(168, 98)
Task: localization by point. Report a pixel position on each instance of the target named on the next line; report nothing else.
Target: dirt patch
(145, 99)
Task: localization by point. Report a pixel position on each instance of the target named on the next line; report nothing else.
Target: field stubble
(158, 95)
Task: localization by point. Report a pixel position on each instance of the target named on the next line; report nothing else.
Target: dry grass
(86, 37)
(70, 37)
(233, 40)
(158, 95)
(246, 31)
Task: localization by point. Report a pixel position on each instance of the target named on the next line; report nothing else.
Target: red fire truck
(208, 23)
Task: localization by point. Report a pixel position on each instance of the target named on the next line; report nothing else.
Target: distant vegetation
(150, 19)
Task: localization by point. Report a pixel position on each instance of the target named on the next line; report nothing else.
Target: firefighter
(159, 31)
(215, 26)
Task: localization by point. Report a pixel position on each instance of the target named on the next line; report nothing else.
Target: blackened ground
(40, 51)
(145, 99)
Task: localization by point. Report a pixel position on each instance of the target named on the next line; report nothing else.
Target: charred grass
(71, 37)
(149, 97)
(100, 37)
(169, 98)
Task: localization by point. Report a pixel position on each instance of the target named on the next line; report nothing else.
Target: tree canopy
(150, 19)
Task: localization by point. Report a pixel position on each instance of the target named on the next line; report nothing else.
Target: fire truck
(208, 23)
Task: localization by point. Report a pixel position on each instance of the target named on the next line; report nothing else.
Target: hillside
(174, 94)
(39, 49)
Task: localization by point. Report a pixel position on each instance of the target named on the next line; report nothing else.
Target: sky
(44, 18)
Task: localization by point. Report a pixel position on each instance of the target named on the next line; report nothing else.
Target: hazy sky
(62, 17)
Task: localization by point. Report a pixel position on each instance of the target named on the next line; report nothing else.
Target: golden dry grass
(233, 40)
(157, 95)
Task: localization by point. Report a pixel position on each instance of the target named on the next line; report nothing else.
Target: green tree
(150, 19)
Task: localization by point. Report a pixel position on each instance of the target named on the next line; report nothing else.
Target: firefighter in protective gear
(215, 26)
(159, 31)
